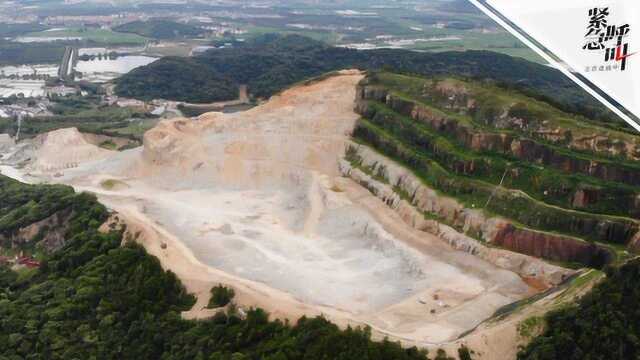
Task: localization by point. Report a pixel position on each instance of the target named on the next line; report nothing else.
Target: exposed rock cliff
(469, 228)
(550, 246)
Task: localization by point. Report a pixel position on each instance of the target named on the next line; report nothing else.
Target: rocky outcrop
(63, 149)
(47, 234)
(466, 228)
(550, 246)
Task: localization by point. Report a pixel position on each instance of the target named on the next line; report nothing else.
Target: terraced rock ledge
(498, 166)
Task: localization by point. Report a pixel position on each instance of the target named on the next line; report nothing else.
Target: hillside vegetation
(160, 29)
(23, 205)
(507, 154)
(605, 324)
(97, 299)
(271, 63)
(175, 79)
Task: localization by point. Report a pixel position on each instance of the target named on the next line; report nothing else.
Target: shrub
(220, 296)
(464, 353)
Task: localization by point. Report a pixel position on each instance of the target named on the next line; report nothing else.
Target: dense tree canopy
(23, 205)
(176, 79)
(604, 325)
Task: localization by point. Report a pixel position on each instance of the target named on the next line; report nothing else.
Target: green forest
(23, 204)
(175, 78)
(270, 63)
(604, 325)
(96, 299)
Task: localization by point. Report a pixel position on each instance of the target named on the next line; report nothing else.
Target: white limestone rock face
(6, 143)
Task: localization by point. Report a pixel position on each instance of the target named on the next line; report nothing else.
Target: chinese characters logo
(611, 39)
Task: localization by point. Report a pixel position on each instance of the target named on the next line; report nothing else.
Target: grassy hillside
(97, 299)
(160, 29)
(506, 153)
(271, 63)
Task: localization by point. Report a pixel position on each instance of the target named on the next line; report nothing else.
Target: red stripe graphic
(619, 56)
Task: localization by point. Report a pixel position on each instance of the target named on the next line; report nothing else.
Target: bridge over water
(68, 62)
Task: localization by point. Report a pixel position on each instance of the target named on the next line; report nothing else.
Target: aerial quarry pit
(261, 201)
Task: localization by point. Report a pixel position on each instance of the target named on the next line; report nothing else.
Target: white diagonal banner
(593, 42)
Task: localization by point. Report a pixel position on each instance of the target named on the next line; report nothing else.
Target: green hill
(174, 79)
(271, 63)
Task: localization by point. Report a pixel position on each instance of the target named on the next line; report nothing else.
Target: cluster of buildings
(155, 107)
(224, 29)
(31, 89)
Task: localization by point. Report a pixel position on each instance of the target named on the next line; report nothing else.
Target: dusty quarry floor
(254, 200)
